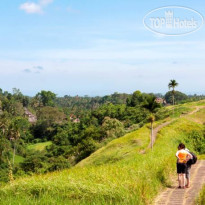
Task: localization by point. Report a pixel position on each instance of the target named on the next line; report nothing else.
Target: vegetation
(45, 133)
(201, 199)
(178, 97)
(66, 134)
(116, 174)
(39, 146)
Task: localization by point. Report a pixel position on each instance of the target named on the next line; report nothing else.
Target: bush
(197, 140)
(58, 163)
(36, 162)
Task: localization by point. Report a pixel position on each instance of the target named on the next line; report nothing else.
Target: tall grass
(201, 199)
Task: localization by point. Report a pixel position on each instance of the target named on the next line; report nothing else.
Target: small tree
(151, 105)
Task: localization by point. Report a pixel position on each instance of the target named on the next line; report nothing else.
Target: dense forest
(71, 128)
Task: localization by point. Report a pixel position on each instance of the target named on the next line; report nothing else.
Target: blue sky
(91, 47)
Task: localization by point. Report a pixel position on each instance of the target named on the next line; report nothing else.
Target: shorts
(181, 168)
(188, 172)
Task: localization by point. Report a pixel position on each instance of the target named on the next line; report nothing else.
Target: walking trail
(157, 129)
(175, 196)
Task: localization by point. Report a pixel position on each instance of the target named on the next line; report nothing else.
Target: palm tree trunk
(151, 136)
(173, 97)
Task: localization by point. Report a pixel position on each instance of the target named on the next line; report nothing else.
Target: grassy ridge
(115, 174)
(119, 149)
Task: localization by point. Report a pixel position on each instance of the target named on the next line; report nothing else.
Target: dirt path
(175, 196)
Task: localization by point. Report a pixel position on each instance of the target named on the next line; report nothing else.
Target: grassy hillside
(116, 174)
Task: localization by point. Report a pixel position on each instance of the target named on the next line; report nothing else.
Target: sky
(93, 47)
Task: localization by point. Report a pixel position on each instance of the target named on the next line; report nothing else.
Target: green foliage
(85, 148)
(57, 142)
(172, 84)
(46, 98)
(197, 140)
(39, 146)
(112, 128)
(50, 115)
(130, 178)
(35, 162)
(13, 107)
(201, 198)
(136, 99)
(58, 163)
(78, 105)
(150, 104)
(179, 96)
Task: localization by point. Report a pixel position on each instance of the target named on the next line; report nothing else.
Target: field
(119, 173)
(39, 146)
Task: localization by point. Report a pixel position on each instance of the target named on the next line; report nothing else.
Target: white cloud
(35, 8)
(31, 8)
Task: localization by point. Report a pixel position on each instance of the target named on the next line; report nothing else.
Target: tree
(51, 115)
(136, 98)
(17, 128)
(14, 135)
(112, 128)
(46, 98)
(172, 84)
(178, 96)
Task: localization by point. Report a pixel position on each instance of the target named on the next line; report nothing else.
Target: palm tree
(172, 84)
(151, 105)
(14, 135)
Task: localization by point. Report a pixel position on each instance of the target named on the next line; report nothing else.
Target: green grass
(201, 198)
(198, 117)
(115, 174)
(18, 159)
(39, 146)
(201, 157)
(119, 149)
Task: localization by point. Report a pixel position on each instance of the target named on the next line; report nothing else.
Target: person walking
(182, 158)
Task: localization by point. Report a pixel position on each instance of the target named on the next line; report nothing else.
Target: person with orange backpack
(183, 156)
